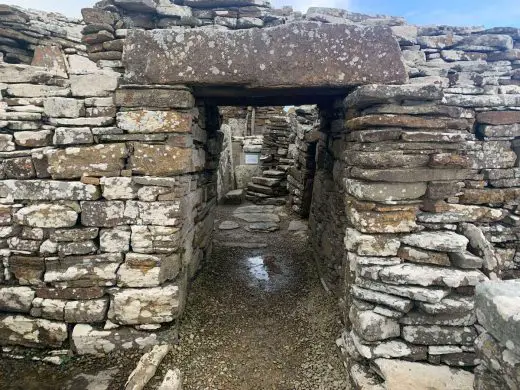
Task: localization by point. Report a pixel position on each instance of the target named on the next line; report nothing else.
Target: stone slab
(403, 375)
(247, 58)
(498, 310)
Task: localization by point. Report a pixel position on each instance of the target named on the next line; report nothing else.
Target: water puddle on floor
(267, 272)
(257, 268)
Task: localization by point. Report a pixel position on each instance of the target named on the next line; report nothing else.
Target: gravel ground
(256, 319)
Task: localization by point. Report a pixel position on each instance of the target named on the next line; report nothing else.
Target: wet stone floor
(257, 318)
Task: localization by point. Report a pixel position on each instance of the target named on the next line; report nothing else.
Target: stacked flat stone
(230, 14)
(21, 31)
(416, 243)
(104, 35)
(96, 187)
(300, 177)
(271, 187)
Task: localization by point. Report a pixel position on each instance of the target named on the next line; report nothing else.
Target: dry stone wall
(431, 196)
(22, 31)
(107, 204)
(300, 176)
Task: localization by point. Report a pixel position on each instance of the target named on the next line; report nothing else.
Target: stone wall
(107, 206)
(432, 195)
(22, 31)
(300, 177)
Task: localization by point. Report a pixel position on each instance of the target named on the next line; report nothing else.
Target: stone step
(266, 181)
(234, 197)
(284, 168)
(274, 173)
(252, 187)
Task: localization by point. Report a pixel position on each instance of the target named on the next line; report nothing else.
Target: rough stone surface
(402, 375)
(367, 55)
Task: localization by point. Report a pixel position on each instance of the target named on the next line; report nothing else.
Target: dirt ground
(257, 318)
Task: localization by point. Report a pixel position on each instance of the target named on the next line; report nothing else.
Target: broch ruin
(122, 132)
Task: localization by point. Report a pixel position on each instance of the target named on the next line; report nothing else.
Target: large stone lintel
(292, 56)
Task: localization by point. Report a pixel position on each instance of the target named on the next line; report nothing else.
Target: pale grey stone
(31, 332)
(437, 241)
(146, 367)
(397, 303)
(16, 299)
(439, 335)
(373, 327)
(466, 260)
(384, 192)
(118, 188)
(422, 294)
(88, 311)
(73, 136)
(228, 225)
(89, 341)
(145, 306)
(403, 375)
(99, 84)
(423, 275)
(115, 240)
(145, 270)
(63, 107)
(46, 216)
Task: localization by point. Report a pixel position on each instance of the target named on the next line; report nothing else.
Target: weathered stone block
(232, 66)
(384, 192)
(48, 190)
(101, 83)
(373, 327)
(155, 239)
(141, 270)
(115, 240)
(83, 271)
(30, 332)
(103, 213)
(422, 275)
(71, 163)
(403, 375)
(155, 98)
(89, 311)
(19, 168)
(161, 160)
(73, 136)
(146, 306)
(33, 139)
(77, 234)
(76, 248)
(16, 299)
(63, 107)
(382, 222)
(371, 245)
(439, 335)
(46, 216)
(441, 241)
(145, 121)
(27, 270)
(90, 341)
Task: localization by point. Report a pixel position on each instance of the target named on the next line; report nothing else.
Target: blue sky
(490, 13)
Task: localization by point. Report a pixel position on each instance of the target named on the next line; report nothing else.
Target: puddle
(257, 268)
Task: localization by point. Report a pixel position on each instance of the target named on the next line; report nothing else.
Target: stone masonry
(109, 177)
